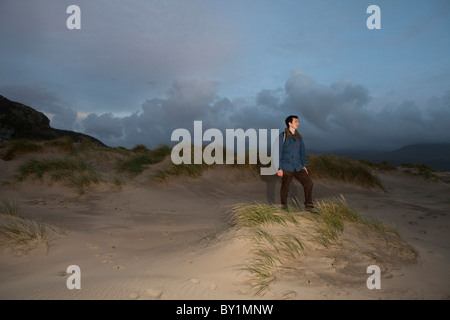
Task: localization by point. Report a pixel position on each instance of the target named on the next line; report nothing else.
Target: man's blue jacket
(292, 152)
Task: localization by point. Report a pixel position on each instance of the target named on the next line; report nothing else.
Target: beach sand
(172, 240)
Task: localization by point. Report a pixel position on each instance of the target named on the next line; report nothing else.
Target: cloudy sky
(139, 69)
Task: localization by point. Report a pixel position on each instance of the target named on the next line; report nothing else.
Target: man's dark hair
(290, 119)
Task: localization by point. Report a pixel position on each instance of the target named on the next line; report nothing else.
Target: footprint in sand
(91, 246)
(155, 294)
(194, 280)
(106, 258)
(167, 233)
(37, 202)
(133, 296)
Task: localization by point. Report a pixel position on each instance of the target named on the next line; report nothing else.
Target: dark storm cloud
(341, 104)
(340, 115)
(105, 126)
(187, 100)
(266, 98)
(332, 117)
(409, 123)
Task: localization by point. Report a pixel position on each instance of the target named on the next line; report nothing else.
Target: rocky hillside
(18, 121)
(434, 155)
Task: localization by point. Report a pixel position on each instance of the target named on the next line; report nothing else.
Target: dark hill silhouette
(18, 121)
(433, 155)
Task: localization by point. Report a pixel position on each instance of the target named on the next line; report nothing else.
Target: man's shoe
(311, 209)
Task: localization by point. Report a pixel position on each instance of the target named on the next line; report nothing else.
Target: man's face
(294, 124)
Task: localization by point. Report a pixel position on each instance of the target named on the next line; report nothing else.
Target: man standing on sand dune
(293, 162)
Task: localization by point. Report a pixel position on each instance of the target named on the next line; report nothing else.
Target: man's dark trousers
(303, 178)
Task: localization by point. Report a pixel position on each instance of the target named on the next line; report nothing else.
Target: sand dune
(147, 239)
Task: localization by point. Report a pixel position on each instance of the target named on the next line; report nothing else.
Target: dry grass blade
(9, 207)
(279, 238)
(24, 235)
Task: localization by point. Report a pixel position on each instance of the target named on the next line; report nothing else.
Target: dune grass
(196, 169)
(279, 238)
(9, 207)
(84, 146)
(17, 147)
(20, 147)
(21, 234)
(74, 172)
(381, 166)
(64, 144)
(272, 247)
(76, 167)
(256, 214)
(141, 157)
(320, 167)
(332, 216)
(420, 170)
(17, 233)
(136, 160)
(191, 169)
(330, 166)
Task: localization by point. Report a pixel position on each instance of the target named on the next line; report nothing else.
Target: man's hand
(280, 173)
(306, 170)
